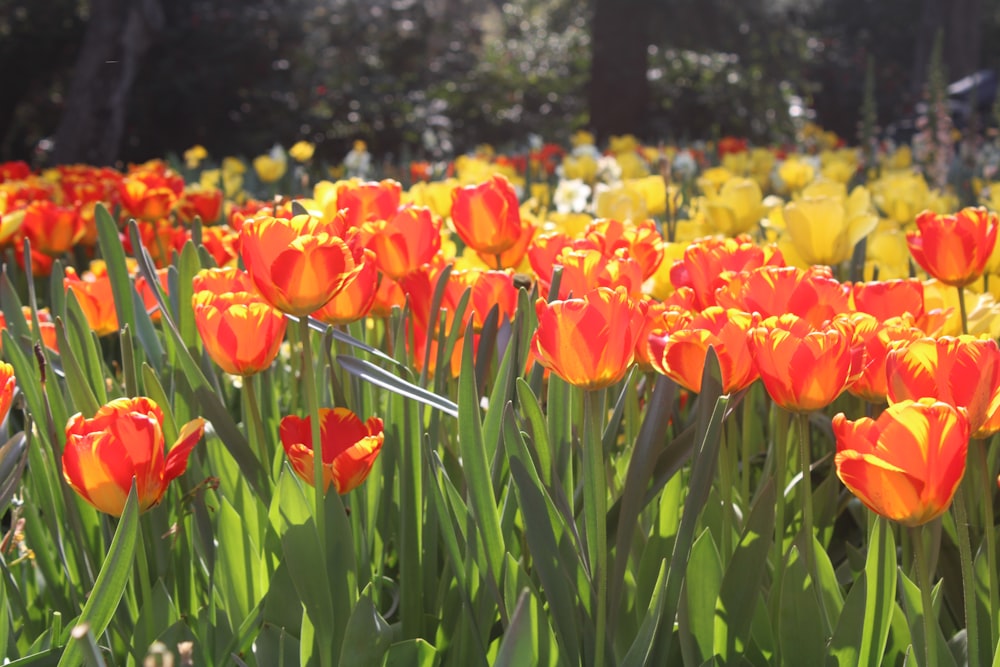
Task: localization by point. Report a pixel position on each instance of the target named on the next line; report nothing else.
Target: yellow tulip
(737, 208)
(795, 174)
(632, 165)
(712, 180)
(269, 169)
(583, 167)
(653, 190)
(619, 202)
(901, 195)
(887, 251)
(825, 229)
(302, 151)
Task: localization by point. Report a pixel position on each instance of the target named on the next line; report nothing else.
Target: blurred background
(101, 81)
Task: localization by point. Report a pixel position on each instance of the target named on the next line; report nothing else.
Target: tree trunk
(118, 35)
(619, 90)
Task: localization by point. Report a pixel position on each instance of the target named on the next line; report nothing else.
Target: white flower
(608, 169)
(358, 163)
(685, 166)
(571, 196)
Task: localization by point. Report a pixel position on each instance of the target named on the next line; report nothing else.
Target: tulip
(813, 294)
(52, 229)
(737, 208)
(124, 440)
(93, 292)
(149, 194)
(709, 263)
(358, 296)
(878, 337)
(241, 332)
(954, 248)
(680, 353)
(349, 447)
(588, 341)
(368, 201)
(641, 239)
(890, 298)
(805, 368)
(907, 464)
(297, 265)
(409, 238)
(7, 385)
(963, 371)
(825, 229)
(486, 216)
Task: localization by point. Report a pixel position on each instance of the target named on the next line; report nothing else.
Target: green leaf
(532, 411)
(802, 636)
(13, 457)
(741, 587)
(865, 645)
(379, 377)
(476, 464)
(366, 638)
(114, 256)
(239, 571)
(518, 644)
(112, 579)
(78, 384)
(411, 653)
(554, 575)
(642, 646)
(914, 609)
(710, 412)
(640, 470)
(157, 615)
(696, 618)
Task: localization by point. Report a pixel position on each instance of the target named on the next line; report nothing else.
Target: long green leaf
(517, 645)
(476, 463)
(114, 256)
(696, 619)
(112, 579)
(742, 584)
(379, 377)
(13, 457)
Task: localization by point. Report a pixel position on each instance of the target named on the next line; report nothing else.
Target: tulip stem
(962, 309)
(258, 438)
(924, 581)
(805, 459)
(312, 406)
(780, 450)
(968, 573)
(988, 527)
(595, 503)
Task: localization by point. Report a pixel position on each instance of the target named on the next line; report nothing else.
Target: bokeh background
(101, 81)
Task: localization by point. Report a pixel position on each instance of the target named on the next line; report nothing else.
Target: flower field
(628, 405)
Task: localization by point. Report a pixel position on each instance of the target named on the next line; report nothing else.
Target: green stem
(312, 407)
(924, 581)
(257, 435)
(805, 459)
(780, 451)
(962, 309)
(745, 440)
(726, 489)
(595, 509)
(988, 527)
(968, 574)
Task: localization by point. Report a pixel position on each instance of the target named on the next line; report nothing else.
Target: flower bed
(647, 406)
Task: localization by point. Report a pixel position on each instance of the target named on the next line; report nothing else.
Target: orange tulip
(298, 265)
(7, 385)
(364, 202)
(219, 280)
(513, 256)
(963, 371)
(588, 341)
(954, 248)
(349, 447)
(642, 240)
(709, 264)
(812, 294)
(805, 368)
(52, 229)
(204, 203)
(680, 353)
(486, 216)
(124, 440)
(907, 464)
(96, 300)
(148, 195)
(406, 240)
(585, 270)
(890, 298)
(878, 338)
(357, 298)
(241, 332)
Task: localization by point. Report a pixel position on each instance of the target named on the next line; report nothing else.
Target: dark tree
(118, 35)
(619, 89)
